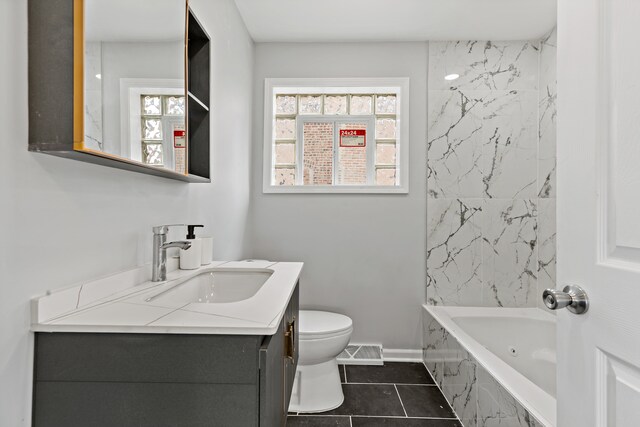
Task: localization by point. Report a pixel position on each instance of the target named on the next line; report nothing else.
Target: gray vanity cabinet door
(145, 380)
(273, 412)
(277, 369)
(117, 404)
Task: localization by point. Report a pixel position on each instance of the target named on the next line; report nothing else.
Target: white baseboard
(402, 355)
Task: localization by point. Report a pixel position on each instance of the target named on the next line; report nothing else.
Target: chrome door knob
(573, 297)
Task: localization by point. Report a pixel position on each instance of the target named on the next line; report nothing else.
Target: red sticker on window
(353, 138)
(179, 140)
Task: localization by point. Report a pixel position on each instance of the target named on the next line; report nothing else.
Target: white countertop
(116, 304)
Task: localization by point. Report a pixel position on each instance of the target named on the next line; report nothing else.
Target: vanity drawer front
(67, 404)
(146, 358)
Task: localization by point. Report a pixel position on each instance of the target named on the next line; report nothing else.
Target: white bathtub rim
(535, 400)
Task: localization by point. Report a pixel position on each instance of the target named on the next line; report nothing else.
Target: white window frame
(290, 86)
(336, 120)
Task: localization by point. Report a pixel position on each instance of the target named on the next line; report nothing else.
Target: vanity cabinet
(111, 379)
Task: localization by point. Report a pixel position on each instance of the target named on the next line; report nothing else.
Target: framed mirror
(140, 85)
(134, 89)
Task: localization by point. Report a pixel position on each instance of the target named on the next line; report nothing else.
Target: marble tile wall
(547, 113)
(491, 172)
(476, 397)
(93, 137)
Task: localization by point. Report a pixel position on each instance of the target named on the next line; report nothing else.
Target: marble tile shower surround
(93, 96)
(491, 172)
(476, 397)
(547, 114)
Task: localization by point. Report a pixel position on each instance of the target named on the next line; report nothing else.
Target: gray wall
(364, 254)
(65, 222)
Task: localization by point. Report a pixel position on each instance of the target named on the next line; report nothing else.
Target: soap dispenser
(191, 258)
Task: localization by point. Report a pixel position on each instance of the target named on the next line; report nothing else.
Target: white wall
(364, 254)
(63, 221)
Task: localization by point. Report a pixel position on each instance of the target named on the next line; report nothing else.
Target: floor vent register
(361, 354)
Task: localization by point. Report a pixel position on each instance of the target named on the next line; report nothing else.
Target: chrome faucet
(160, 246)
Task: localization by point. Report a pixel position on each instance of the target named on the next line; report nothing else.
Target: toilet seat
(322, 324)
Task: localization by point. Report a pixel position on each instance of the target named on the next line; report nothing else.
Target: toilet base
(316, 388)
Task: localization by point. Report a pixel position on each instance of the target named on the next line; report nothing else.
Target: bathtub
(496, 366)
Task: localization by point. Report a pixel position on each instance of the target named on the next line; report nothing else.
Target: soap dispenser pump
(191, 231)
(191, 258)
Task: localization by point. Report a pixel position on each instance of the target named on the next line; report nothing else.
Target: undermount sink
(218, 286)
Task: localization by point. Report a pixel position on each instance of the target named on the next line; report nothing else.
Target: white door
(599, 211)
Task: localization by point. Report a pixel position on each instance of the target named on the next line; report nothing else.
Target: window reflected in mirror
(162, 125)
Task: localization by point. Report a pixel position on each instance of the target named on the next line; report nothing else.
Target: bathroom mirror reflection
(134, 73)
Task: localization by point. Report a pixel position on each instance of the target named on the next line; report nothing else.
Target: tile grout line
(123, 298)
(165, 315)
(395, 385)
(218, 315)
(79, 294)
(400, 398)
(402, 384)
(457, 417)
(316, 415)
(395, 417)
(398, 417)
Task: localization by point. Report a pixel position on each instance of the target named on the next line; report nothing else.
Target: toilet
(322, 337)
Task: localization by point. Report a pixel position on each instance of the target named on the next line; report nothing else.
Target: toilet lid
(314, 323)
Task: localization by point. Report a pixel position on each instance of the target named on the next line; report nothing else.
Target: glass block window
(361, 104)
(386, 104)
(309, 148)
(335, 104)
(152, 154)
(285, 176)
(310, 104)
(151, 105)
(153, 109)
(174, 105)
(286, 104)
(152, 129)
(285, 129)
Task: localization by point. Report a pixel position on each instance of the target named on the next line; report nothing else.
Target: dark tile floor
(393, 395)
